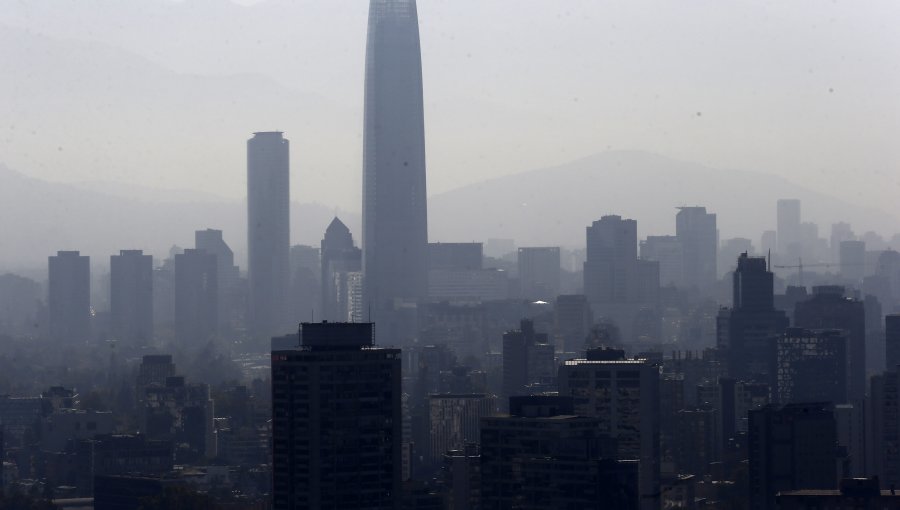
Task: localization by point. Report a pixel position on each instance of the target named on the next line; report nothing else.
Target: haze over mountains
(525, 207)
(804, 90)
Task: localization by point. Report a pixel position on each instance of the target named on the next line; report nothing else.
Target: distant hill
(550, 206)
(554, 205)
(39, 217)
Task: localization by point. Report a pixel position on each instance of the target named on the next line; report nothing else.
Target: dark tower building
(131, 297)
(196, 297)
(69, 297)
(336, 420)
(892, 340)
(268, 233)
(395, 223)
(748, 330)
(791, 447)
(810, 366)
(339, 256)
(829, 309)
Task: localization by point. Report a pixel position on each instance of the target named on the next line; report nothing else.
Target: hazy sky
(166, 93)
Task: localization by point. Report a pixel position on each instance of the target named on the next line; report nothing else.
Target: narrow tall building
(196, 297)
(131, 297)
(696, 230)
(746, 331)
(336, 420)
(339, 256)
(268, 233)
(395, 222)
(69, 297)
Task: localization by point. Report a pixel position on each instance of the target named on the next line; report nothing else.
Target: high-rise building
(618, 285)
(852, 259)
(574, 320)
(791, 447)
(625, 396)
(231, 309)
(339, 256)
(892, 341)
(458, 256)
(454, 420)
(543, 455)
(268, 233)
(306, 282)
(829, 309)
(69, 297)
(336, 420)
(810, 366)
(131, 297)
(528, 361)
(196, 297)
(539, 272)
(788, 212)
(746, 331)
(669, 253)
(395, 221)
(696, 229)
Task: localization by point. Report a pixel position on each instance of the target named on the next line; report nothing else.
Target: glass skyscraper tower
(395, 222)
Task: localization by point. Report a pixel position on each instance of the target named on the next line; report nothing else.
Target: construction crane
(799, 266)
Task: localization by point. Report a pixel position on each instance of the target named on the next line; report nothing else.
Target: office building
(539, 273)
(395, 214)
(852, 260)
(528, 361)
(461, 478)
(791, 447)
(131, 297)
(699, 237)
(618, 285)
(892, 340)
(268, 234)
(454, 421)
(196, 297)
(746, 331)
(811, 366)
(574, 321)
(883, 428)
(829, 309)
(625, 396)
(544, 456)
(336, 420)
(231, 310)
(69, 297)
(669, 253)
(456, 256)
(789, 229)
(339, 256)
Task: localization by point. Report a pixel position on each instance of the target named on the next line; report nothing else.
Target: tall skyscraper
(339, 256)
(539, 272)
(746, 330)
(696, 229)
(196, 297)
(268, 233)
(336, 420)
(228, 276)
(788, 213)
(69, 297)
(131, 297)
(395, 222)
